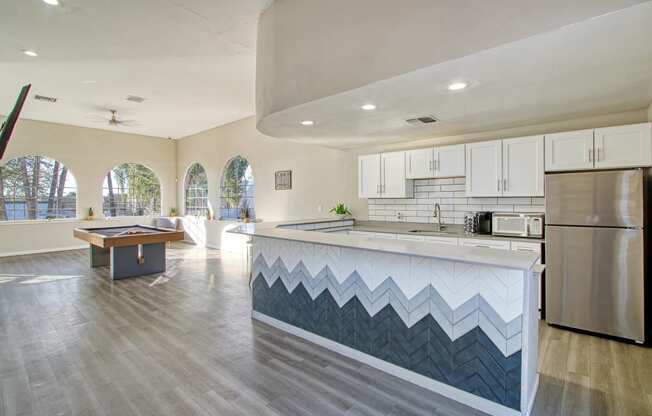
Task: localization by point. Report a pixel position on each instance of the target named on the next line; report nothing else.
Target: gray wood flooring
(74, 343)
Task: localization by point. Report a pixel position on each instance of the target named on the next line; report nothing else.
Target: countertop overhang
(478, 255)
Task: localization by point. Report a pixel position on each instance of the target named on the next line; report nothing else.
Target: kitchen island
(461, 321)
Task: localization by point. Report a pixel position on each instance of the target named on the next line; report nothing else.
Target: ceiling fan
(113, 119)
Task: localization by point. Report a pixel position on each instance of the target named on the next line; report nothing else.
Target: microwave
(517, 224)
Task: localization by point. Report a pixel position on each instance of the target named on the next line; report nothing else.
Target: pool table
(129, 251)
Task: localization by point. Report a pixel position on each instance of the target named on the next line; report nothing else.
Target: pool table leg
(129, 261)
(99, 256)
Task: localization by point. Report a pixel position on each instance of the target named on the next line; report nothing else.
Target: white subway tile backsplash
(451, 195)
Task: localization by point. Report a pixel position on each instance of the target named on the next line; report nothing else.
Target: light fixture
(30, 53)
(457, 86)
(307, 123)
(51, 2)
(368, 107)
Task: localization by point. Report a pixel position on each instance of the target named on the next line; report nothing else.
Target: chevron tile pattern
(474, 313)
(471, 362)
(456, 282)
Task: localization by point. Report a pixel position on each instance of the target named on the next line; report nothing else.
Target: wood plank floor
(74, 343)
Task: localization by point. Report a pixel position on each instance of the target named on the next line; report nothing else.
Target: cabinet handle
(436, 164)
(598, 159)
(590, 155)
(498, 187)
(504, 185)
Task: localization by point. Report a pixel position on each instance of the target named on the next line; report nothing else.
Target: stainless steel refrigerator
(596, 250)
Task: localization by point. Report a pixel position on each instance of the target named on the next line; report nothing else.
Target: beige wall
(320, 177)
(89, 154)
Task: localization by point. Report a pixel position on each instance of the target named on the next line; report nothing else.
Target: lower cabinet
(451, 241)
(478, 242)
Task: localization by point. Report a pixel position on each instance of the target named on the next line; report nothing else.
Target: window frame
(249, 194)
(201, 209)
(60, 198)
(130, 208)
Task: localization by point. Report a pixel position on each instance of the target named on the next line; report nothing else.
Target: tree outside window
(196, 191)
(131, 189)
(237, 190)
(36, 187)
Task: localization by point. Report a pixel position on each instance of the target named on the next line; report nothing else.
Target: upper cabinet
(523, 166)
(383, 176)
(511, 167)
(369, 176)
(420, 163)
(484, 168)
(449, 161)
(604, 148)
(569, 151)
(623, 146)
(437, 162)
(394, 184)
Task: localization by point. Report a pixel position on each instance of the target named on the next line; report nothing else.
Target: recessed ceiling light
(307, 122)
(457, 86)
(368, 107)
(30, 53)
(51, 2)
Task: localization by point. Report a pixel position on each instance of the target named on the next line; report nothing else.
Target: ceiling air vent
(418, 121)
(135, 99)
(45, 98)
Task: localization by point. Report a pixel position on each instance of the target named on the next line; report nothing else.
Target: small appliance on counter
(517, 224)
(477, 223)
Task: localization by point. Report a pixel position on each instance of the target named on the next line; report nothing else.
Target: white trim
(446, 390)
(42, 250)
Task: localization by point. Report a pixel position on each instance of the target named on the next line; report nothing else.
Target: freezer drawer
(594, 280)
(604, 198)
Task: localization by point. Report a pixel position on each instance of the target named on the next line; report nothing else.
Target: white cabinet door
(393, 183)
(369, 176)
(484, 168)
(623, 146)
(478, 242)
(572, 150)
(523, 166)
(449, 161)
(420, 163)
(527, 246)
(451, 241)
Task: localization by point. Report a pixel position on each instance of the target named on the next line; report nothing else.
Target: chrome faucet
(437, 214)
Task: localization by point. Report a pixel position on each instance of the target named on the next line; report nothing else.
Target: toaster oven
(517, 224)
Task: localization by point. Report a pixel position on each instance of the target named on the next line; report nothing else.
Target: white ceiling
(193, 61)
(597, 66)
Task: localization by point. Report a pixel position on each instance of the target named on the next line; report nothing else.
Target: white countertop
(478, 255)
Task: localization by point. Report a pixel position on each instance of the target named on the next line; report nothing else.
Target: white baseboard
(446, 390)
(43, 250)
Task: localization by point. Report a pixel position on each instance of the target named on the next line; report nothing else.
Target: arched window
(237, 190)
(36, 187)
(131, 189)
(196, 191)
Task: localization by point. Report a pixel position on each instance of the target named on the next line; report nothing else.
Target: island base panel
(130, 261)
(99, 256)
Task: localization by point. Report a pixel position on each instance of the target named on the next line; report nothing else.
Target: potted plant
(244, 214)
(90, 215)
(341, 210)
(173, 212)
